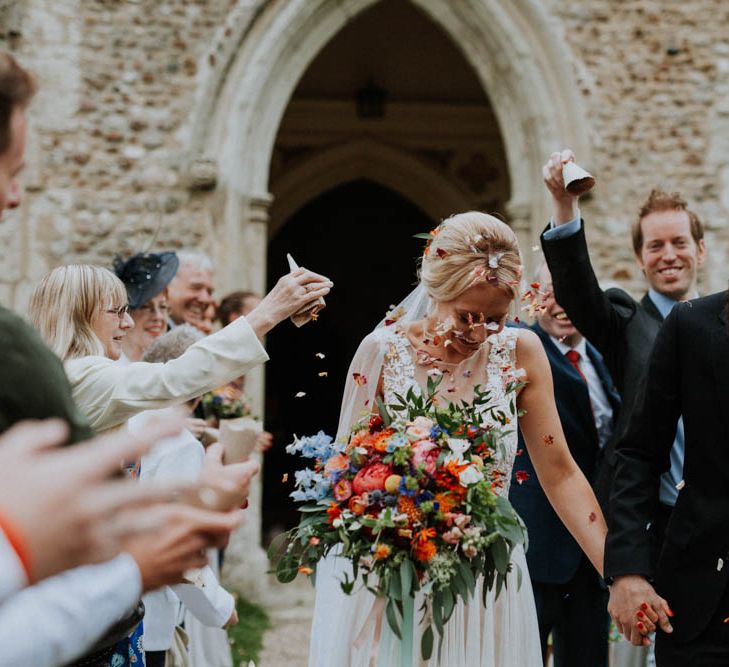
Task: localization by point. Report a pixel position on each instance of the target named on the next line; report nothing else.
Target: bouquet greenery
(411, 499)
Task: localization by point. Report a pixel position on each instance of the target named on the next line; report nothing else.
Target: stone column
(520, 220)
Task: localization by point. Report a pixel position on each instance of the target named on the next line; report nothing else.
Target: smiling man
(191, 290)
(668, 241)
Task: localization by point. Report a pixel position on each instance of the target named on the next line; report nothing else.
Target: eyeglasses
(120, 312)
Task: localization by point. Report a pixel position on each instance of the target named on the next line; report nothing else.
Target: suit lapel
(650, 307)
(604, 375)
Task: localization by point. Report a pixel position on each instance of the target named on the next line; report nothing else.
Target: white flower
(470, 475)
(458, 445)
(453, 458)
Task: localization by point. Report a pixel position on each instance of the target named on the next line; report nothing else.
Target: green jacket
(33, 384)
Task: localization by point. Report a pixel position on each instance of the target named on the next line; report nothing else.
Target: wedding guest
(191, 290)
(688, 376)
(668, 242)
(182, 457)
(82, 313)
(570, 598)
(146, 278)
(35, 386)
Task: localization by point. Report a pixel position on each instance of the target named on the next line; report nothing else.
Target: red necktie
(574, 359)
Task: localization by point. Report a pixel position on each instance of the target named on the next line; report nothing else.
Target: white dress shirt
(109, 393)
(60, 618)
(601, 408)
(12, 573)
(178, 458)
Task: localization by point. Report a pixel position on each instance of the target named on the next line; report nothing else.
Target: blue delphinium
(319, 446)
(311, 485)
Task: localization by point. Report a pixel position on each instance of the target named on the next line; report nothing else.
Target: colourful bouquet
(410, 498)
(226, 402)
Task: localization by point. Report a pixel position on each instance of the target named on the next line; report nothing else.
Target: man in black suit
(669, 247)
(571, 600)
(688, 376)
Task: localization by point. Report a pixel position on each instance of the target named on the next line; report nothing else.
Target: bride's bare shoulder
(529, 351)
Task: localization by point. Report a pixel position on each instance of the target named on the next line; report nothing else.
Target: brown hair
(660, 200)
(232, 304)
(17, 87)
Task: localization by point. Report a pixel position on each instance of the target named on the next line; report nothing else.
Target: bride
(452, 326)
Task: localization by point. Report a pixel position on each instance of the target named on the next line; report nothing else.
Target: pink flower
(371, 478)
(452, 536)
(470, 551)
(342, 490)
(425, 453)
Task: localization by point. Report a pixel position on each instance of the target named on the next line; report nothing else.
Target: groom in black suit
(688, 376)
(571, 600)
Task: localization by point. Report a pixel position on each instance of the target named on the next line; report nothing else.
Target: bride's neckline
(414, 333)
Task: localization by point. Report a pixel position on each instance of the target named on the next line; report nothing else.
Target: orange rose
(382, 439)
(382, 551)
(371, 478)
(424, 551)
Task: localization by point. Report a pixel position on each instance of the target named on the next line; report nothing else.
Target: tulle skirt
(502, 634)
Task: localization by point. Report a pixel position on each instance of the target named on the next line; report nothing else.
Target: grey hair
(172, 344)
(197, 259)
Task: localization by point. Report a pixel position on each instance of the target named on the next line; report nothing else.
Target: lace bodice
(493, 367)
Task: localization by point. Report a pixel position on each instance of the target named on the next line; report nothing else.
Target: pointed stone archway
(246, 83)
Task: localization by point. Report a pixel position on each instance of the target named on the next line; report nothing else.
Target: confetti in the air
(680, 485)
(359, 379)
(285, 478)
(323, 374)
(592, 517)
(300, 394)
(719, 564)
(319, 355)
(522, 476)
(548, 439)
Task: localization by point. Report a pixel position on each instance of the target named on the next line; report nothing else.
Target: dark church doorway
(361, 236)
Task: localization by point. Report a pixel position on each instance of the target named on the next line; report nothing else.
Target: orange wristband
(17, 541)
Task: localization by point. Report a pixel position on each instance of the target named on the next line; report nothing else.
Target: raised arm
(563, 482)
(576, 287)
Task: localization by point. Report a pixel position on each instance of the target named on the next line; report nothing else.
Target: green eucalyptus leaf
(386, 418)
(392, 619)
(406, 577)
(426, 643)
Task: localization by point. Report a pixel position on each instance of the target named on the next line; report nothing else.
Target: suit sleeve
(643, 454)
(109, 393)
(576, 289)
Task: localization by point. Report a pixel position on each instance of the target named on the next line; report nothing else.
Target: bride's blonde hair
(67, 301)
(467, 248)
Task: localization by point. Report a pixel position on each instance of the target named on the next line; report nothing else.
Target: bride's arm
(566, 487)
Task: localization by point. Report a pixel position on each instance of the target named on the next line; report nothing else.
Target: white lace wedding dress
(504, 633)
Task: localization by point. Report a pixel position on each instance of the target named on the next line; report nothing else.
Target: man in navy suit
(570, 598)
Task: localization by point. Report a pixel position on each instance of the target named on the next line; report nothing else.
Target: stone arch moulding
(397, 170)
(517, 50)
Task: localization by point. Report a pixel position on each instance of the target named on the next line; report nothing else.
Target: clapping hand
(637, 609)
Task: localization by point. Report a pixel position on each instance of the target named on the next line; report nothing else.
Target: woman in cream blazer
(82, 313)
